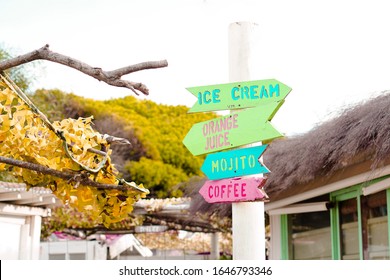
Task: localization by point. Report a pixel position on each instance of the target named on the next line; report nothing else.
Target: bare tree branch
(110, 77)
(116, 140)
(77, 178)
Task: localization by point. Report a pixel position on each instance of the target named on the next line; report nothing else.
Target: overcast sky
(331, 53)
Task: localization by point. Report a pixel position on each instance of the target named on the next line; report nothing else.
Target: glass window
(363, 230)
(348, 216)
(375, 226)
(77, 256)
(57, 256)
(310, 236)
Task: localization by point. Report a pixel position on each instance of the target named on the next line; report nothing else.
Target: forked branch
(110, 77)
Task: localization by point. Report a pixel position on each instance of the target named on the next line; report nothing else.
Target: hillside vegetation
(156, 158)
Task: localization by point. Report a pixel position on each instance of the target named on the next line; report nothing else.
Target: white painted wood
(25, 241)
(35, 236)
(29, 200)
(243, 44)
(214, 240)
(10, 238)
(248, 231)
(351, 181)
(10, 209)
(45, 201)
(73, 249)
(11, 219)
(248, 217)
(300, 208)
(20, 237)
(276, 238)
(7, 196)
(128, 241)
(377, 187)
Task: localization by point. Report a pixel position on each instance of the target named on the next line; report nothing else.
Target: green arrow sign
(238, 95)
(236, 129)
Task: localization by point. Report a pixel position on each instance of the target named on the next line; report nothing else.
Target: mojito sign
(234, 190)
(234, 163)
(237, 95)
(233, 130)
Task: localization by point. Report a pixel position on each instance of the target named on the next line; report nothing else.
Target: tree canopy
(18, 74)
(156, 158)
(63, 142)
(67, 156)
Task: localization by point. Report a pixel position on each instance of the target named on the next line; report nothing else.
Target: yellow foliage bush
(25, 136)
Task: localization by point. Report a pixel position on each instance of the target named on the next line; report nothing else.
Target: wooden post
(248, 217)
(214, 252)
(35, 234)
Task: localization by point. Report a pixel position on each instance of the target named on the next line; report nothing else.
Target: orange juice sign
(236, 129)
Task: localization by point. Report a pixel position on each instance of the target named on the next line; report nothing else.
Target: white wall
(72, 250)
(19, 237)
(10, 234)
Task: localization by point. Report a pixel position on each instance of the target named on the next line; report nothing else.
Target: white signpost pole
(248, 217)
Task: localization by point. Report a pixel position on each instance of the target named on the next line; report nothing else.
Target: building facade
(21, 213)
(329, 189)
(347, 219)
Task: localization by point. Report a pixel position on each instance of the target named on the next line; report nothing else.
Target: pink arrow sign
(234, 190)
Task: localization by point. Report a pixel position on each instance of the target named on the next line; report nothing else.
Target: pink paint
(220, 125)
(233, 190)
(217, 141)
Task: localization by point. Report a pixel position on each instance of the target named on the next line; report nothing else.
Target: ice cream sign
(237, 95)
(228, 170)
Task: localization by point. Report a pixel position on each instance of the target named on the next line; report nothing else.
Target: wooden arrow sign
(234, 163)
(234, 190)
(237, 95)
(233, 130)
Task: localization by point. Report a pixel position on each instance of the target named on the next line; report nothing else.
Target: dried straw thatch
(358, 134)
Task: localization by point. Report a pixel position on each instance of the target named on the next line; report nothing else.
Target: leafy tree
(68, 156)
(162, 178)
(156, 158)
(18, 74)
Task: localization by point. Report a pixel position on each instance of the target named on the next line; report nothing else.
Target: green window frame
(337, 196)
(388, 214)
(349, 193)
(285, 231)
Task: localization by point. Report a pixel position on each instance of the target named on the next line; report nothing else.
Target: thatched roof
(358, 134)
